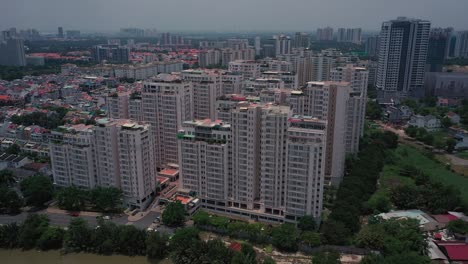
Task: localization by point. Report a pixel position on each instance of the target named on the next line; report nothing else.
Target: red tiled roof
(235, 246)
(445, 218)
(457, 252)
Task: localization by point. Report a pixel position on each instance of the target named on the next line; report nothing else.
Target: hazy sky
(226, 15)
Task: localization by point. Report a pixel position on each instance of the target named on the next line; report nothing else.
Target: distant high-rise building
(11, 50)
(461, 45)
(117, 105)
(73, 34)
(372, 46)
(249, 69)
(132, 32)
(439, 46)
(301, 40)
(111, 53)
(402, 58)
(352, 35)
(325, 34)
(282, 45)
(60, 32)
(257, 46)
(268, 50)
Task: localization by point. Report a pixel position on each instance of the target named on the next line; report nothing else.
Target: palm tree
(6, 177)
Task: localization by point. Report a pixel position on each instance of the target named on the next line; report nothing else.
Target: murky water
(55, 257)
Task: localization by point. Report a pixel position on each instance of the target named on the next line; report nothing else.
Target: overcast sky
(225, 15)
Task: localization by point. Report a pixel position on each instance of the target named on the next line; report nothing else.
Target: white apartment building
(72, 157)
(135, 108)
(249, 69)
(117, 105)
(324, 34)
(137, 173)
(225, 103)
(282, 44)
(254, 87)
(167, 103)
(145, 71)
(231, 82)
(402, 58)
(207, 86)
(461, 45)
(356, 113)
(204, 159)
(265, 166)
(306, 149)
(270, 64)
(290, 79)
(114, 153)
(106, 149)
(327, 101)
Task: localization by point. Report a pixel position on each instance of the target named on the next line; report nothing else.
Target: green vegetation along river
(55, 257)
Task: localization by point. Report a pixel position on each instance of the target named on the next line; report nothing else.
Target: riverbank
(17, 256)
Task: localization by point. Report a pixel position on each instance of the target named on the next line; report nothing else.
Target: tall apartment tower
(258, 46)
(117, 105)
(72, 157)
(137, 173)
(282, 44)
(372, 45)
(167, 103)
(305, 167)
(439, 47)
(106, 147)
(267, 165)
(327, 101)
(341, 35)
(461, 45)
(248, 68)
(402, 58)
(301, 40)
(11, 50)
(325, 34)
(204, 158)
(135, 107)
(207, 86)
(60, 32)
(358, 78)
(114, 153)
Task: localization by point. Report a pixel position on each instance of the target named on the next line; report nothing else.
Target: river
(55, 257)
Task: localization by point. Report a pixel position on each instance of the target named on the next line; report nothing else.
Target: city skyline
(261, 15)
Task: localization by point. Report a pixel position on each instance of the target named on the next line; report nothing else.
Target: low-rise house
(426, 222)
(397, 114)
(454, 118)
(429, 122)
(448, 102)
(13, 161)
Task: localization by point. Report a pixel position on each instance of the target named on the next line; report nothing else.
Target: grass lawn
(406, 155)
(463, 155)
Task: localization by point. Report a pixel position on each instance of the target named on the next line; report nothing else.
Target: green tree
(217, 252)
(52, 238)
(9, 235)
(72, 198)
(37, 190)
(373, 110)
(32, 229)
(131, 241)
(458, 226)
(174, 214)
(79, 236)
(14, 149)
(335, 233)
(405, 196)
(312, 239)
(107, 199)
(451, 143)
(268, 260)
(201, 218)
(372, 237)
(10, 201)
(326, 257)
(7, 178)
(307, 223)
(285, 237)
(446, 122)
(156, 245)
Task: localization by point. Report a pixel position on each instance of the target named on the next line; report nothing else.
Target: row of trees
(357, 187)
(102, 199)
(285, 237)
(108, 238)
(427, 138)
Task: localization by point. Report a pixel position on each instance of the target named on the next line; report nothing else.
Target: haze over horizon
(223, 15)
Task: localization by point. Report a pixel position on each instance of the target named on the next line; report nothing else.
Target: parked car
(74, 214)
